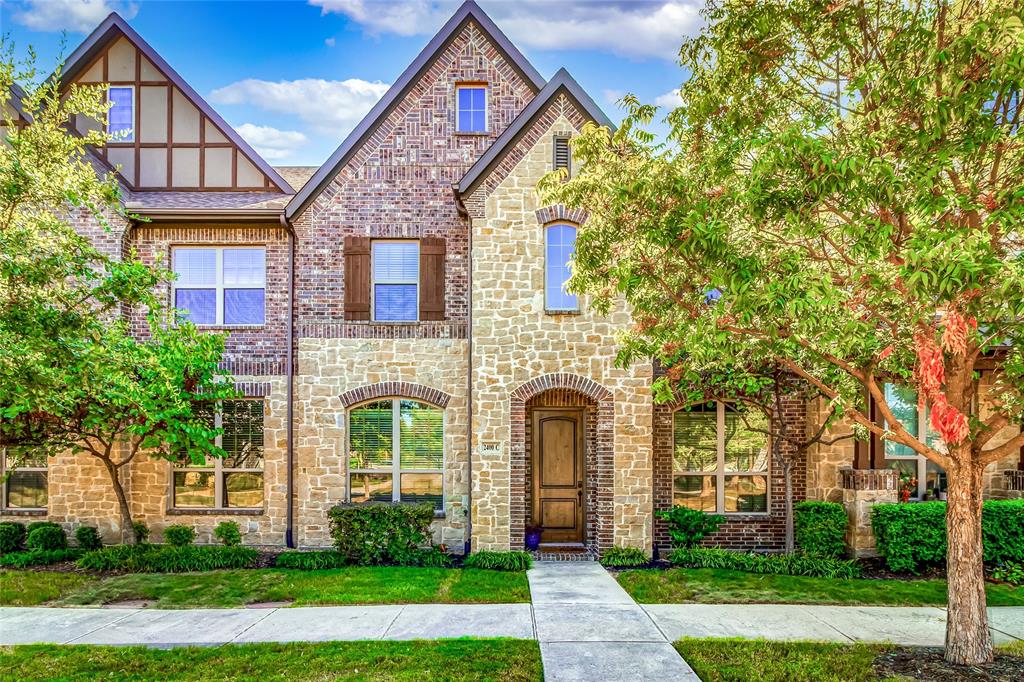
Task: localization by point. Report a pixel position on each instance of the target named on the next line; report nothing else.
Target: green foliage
(39, 557)
(820, 528)
(687, 527)
(141, 531)
(179, 536)
(12, 536)
(88, 538)
(1009, 572)
(167, 558)
(228, 534)
(428, 557)
(373, 534)
(778, 564)
(310, 561)
(499, 561)
(41, 524)
(624, 556)
(46, 538)
(912, 537)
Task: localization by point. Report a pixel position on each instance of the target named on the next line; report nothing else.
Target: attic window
(471, 112)
(121, 116)
(562, 158)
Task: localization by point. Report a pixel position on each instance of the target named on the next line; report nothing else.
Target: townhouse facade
(400, 331)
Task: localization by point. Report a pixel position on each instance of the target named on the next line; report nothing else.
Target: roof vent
(562, 156)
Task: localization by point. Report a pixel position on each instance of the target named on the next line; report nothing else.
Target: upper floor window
(923, 475)
(471, 108)
(560, 244)
(236, 480)
(23, 480)
(396, 452)
(719, 464)
(121, 116)
(396, 274)
(220, 285)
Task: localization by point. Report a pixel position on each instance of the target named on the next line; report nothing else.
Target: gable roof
(561, 83)
(469, 11)
(15, 96)
(112, 28)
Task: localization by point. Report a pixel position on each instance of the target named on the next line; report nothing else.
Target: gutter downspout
(461, 208)
(289, 533)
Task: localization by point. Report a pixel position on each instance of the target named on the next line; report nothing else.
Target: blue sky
(295, 77)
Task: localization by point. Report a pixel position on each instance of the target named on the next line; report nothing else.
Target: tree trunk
(787, 473)
(968, 640)
(127, 528)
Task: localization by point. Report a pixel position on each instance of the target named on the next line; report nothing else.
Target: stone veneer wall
(516, 341)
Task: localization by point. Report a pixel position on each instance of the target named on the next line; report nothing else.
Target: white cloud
(670, 100)
(328, 107)
(77, 16)
(612, 96)
(637, 28)
(330, 42)
(270, 143)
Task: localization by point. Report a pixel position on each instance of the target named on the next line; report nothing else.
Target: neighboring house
(399, 327)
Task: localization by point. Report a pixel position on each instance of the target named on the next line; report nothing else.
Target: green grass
(351, 585)
(741, 660)
(457, 659)
(719, 586)
(31, 588)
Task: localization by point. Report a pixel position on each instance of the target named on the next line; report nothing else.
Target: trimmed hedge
(228, 533)
(310, 561)
(624, 556)
(687, 527)
(42, 557)
(179, 535)
(499, 561)
(167, 558)
(88, 538)
(12, 536)
(777, 564)
(46, 538)
(381, 533)
(912, 537)
(820, 528)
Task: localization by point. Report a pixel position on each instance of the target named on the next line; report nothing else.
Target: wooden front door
(558, 474)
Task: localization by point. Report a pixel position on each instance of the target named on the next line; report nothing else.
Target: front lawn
(719, 586)
(456, 659)
(31, 588)
(350, 585)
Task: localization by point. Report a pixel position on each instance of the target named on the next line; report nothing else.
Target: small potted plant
(533, 532)
(908, 485)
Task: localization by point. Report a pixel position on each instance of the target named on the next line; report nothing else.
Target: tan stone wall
(330, 367)
(825, 461)
(515, 341)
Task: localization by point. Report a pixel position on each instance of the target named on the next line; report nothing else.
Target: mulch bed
(928, 665)
(876, 569)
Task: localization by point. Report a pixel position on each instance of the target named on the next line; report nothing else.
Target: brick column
(863, 489)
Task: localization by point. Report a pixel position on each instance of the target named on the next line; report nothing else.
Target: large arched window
(718, 463)
(559, 246)
(396, 452)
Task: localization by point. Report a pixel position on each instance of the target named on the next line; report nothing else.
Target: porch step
(563, 554)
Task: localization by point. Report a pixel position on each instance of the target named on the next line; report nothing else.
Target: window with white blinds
(396, 276)
(719, 464)
(396, 452)
(220, 286)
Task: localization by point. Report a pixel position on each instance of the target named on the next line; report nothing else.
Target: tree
(848, 175)
(73, 374)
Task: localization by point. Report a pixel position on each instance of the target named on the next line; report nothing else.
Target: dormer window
(471, 101)
(121, 116)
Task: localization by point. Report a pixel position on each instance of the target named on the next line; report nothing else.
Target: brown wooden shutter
(357, 278)
(432, 279)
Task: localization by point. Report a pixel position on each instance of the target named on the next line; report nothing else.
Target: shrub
(820, 528)
(228, 534)
(12, 536)
(430, 557)
(778, 564)
(373, 534)
(1009, 572)
(167, 558)
(309, 561)
(141, 532)
(41, 524)
(88, 538)
(179, 536)
(912, 537)
(624, 556)
(46, 538)
(687, 527)
(499, 561)
(39, 557)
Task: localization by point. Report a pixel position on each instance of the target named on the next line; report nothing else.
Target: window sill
(176, 511)
(24, 512)
(231, 327)
(471, 133)
(563, 312)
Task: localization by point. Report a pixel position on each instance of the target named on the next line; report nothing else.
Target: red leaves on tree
(949, 422)
(931, 368)
(954, 333)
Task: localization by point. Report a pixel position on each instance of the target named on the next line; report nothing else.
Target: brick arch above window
(574, 382)
(391, 389)
(557, 213)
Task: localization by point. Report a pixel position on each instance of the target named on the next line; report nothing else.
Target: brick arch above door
(395, 389)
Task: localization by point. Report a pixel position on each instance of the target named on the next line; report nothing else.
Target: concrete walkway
(589, 628)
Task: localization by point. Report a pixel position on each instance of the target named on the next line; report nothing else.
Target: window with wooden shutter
(432, 253)
(357, 278)
(563, 158)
